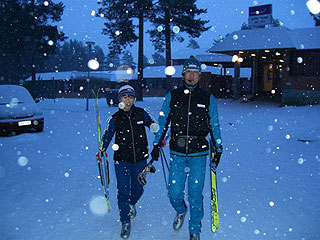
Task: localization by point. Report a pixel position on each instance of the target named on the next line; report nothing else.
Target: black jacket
(190, 123)
(131, 135)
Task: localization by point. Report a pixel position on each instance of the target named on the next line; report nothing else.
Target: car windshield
(13, 94)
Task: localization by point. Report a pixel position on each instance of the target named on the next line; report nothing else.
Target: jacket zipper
(188, 119)
(134, 147)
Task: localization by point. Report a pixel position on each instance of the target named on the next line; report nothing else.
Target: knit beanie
(126, 90)
(191, 64)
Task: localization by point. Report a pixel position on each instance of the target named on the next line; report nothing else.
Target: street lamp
(89, 44)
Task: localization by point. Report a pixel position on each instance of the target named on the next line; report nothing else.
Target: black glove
(216, 158)
(155, 152)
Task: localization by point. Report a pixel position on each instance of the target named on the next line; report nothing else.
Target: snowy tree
(27, 36)
(171, 18)
(220, 39)
(127, 59)
(112, 61)
(316, 18)
(193, 44)
(145, 61)
(72, 55)
(119, 26)
(159, 59)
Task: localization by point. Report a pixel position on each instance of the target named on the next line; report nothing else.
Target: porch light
(129, 70)
(235, 58)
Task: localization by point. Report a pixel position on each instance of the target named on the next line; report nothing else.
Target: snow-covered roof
(255, 39)
(187, 52)
(201, 54)
(122, 75)
(118, 75)
(159, 71)
(306, 38)
(214, 57)
(270, 38)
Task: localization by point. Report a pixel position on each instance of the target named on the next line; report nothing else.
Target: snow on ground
(268, 181)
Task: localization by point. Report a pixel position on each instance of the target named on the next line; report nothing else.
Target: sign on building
(260, 16)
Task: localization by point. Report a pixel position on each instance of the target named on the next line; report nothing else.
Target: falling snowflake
(115, 147)
(23, 161)
(176, 29)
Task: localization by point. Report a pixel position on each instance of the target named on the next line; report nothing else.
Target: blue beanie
(126, 90)
(191, 64)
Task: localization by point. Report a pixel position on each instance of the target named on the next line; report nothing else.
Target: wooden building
(285, 63)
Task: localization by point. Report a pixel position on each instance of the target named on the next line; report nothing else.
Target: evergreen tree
(316, 18)
(159, 59)
(244, 26)
(112, 61)
(27, 37)
(127, 59)
(73, 55)
(145, 61)
(178, 16)
(220, 39)
(193, 44)
(119, 26)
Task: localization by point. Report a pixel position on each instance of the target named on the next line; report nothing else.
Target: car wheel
(39, 129)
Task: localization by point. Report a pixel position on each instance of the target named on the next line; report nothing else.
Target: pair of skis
(102, 161)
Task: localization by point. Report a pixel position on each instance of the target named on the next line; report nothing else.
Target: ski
(102, 161)
(214, 197)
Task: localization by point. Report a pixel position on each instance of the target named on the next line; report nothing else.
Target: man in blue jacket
(130, 152)
(193, 114)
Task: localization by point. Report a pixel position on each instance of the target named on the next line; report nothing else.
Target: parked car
(18, 111)
(112, 97)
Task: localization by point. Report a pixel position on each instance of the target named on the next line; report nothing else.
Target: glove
(216, 158)
(155, 152)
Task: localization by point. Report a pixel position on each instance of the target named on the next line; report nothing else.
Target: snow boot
(194, 236)
(125, 230)
(132, 211)
(178, 220)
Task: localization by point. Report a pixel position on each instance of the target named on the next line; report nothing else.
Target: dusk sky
(225, 17)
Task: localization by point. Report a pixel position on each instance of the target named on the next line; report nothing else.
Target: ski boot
(132, 211)
(178, 220)
(194, 236)
(125, 230)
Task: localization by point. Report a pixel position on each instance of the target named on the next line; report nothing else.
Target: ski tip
(108, 206)
(214, 229)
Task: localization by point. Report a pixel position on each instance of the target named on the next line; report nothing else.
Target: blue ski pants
(129, 189)
(193, 169)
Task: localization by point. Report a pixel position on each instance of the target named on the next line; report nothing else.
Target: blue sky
(225, 17)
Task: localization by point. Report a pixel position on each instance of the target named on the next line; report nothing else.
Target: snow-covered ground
(268, 181)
